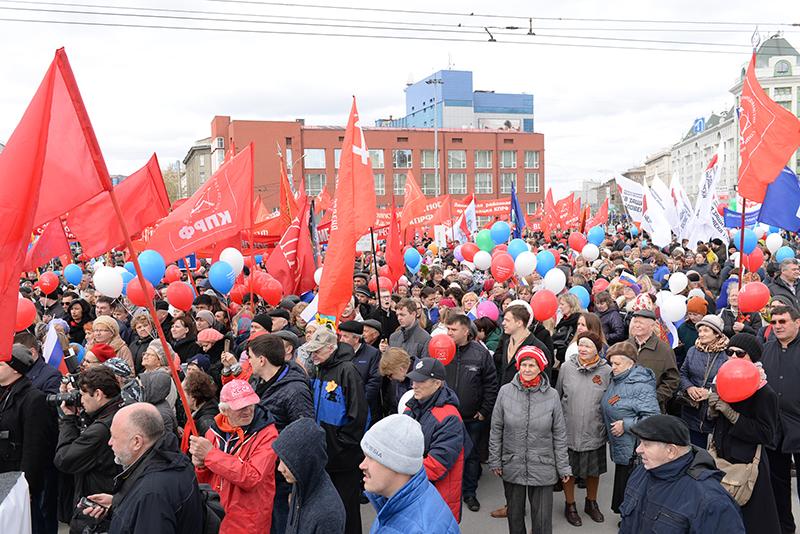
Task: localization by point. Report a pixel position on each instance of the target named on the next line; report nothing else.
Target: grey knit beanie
(396, 442)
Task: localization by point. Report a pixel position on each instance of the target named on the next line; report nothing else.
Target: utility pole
(435, 82)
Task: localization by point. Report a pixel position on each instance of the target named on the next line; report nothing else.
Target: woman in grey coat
(528, 443)
(581, 384)
(630, 398)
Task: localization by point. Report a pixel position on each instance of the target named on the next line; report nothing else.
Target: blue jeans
(472, 462)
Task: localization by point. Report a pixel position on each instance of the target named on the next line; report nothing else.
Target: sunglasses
(735, 353)
(778, 321)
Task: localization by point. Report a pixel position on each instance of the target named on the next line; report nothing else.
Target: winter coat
(751, 321)
(565, 331)
(315, 506)
(138, 346)
(391, 393)
(506, 370)
(76, 332)
(204, 416)
(156, 386)
(492, 340)
(543, 335)
(472, 375)
(417, 508)
(713, 281)
(630, 397)
(581, 389)
(687, 334)
(528, 438)
(366, 361)
(28, 430)
(85, 454)
(444, 443)
(657, 356)
(287, 396)
(242, 471)
(613, 325)
(44, 377)
(693, 370)
(684, 495)
(186, 348)
(388, 320)
(780, 288)
(158, 493)
(782, 367)
(340, 408)
(414, 340)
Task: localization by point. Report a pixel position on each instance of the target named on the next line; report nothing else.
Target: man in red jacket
(237, 460)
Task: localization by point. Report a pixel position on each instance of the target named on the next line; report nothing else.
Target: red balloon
(753, 261)
(468, 250)
(544, 304)
(421, 250)
(137, 295)
(737, 380)
(173, 274)
(556, 254)
(577, 241)
(502, 267)
(238, 292)
(180, 295)
(753, 297)
(721, 209)
(442, 347)
(260, 279)
(48, 282)
(26, 314)
(501, 247)
(272, 292)
(600, 285)
(384, 271)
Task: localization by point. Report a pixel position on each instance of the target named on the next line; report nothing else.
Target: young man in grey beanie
(396, 483)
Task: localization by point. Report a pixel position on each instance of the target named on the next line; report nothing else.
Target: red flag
(444, 212)
(143, 200)
(292, 261)
(563, 208)
(394, 249)
(220, 209)
(413, 202)
(50, 244)
(601, 217)
(354, 211)
(769, 134)
(51, 164)
(324, 201)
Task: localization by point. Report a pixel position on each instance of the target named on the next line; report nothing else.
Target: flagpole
(741, 247)
(377, 276)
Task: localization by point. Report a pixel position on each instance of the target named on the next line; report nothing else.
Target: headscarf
(109, 322)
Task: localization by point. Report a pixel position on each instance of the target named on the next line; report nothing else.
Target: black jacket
(27, 432)
(158, 494)
(782, 367)
(565, 331)
(613, 325)
(287, 396)
(186, 348)
(315, 506)
(751, 321)
(44, 377)
(340, 408)
(366, 360)
(473, 377)
(543, 334)
(507, 369)
(204, 416)
(137, 346)
(85, 454)
(779, 287)
(389, 322)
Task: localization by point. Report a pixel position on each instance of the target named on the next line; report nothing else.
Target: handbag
(739, 479)
(683, 398)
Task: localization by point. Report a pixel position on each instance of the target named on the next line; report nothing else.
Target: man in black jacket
(44, 377)
(83, 451)
(157, 490)
(515, 336)
(384, 314)
(366, 359)
(473, 377)
(787, 284)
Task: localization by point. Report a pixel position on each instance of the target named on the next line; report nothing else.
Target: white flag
(654, 221)
(660, 193)
(632, 197)
(683, 207)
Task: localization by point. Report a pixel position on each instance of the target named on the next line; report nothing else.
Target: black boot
(592, 510)
(571, 513)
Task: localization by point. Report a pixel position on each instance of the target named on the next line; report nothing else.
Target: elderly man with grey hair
(787, 284)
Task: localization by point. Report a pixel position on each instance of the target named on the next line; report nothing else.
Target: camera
(70, 398)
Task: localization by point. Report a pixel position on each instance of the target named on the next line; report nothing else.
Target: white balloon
(761, 230)
(525, 263)
(555, 280)
(407, 396)
(774, 242)
(590, 252)
(735, 257)
(482, 260)
(96, 265)
(318, 275)
(108, 281)
(661, 297)
(697, 292)
(526, 305)
(120, 269)
(234, 258)
(678, 282)
(673, 308)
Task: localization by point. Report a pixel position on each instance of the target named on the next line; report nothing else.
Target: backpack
(213, 512)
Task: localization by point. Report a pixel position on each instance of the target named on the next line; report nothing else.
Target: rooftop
(775, 46)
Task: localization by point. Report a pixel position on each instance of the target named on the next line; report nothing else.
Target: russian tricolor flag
(52, 352)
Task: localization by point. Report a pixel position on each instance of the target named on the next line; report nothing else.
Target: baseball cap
(320, 338)
(426, 369)
(238, 394)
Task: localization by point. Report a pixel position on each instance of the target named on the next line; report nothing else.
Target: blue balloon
(153, 266)
(259, 258)
(126, 277)
(773, 230)
(783, 253)
(415, 270)
(750, 240)
(412, 258)
(582, 294)
(73, 274)
(596, 235)
(500, 232)
(544, 262)
(517, 247)
(634, 231)
(222, 277)
(129, 267)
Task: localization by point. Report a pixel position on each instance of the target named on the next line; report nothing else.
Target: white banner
(653, 218)
(707, 190)
(660, 193)
(632, 197)
(683, 207)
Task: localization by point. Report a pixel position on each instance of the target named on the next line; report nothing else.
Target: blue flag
(781, 206)
(517, 217)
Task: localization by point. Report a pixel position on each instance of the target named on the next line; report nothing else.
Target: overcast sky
(601, 110)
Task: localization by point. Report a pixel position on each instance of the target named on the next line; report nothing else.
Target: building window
(457, 140)
(531, 182)
(314, 158)
(337, 155)
(506, 180)
(202, 177)
(531, 208)
(401, 159)
(399, 183)
(508, 159)
(782, 93)
(483, 183)
(289, 162)
(783, 68)
(531, 159)
(380, 184)
(457, 183)
(315, 183)
(376, 157)
(201, 160)
(428, 159)
(430, 185)
(483, 159)
(456, 159)
(220, 142)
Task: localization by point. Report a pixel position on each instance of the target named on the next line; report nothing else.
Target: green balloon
(484, 240)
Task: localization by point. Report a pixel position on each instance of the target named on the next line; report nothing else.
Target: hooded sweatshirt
(156, 387)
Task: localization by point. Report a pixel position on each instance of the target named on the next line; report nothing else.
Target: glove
(725, 409)
(713, 400)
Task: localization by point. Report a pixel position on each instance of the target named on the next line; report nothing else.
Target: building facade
(658, 165)
(197, 166)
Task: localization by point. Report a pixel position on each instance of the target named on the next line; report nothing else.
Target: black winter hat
(264, 320)
(748, 343)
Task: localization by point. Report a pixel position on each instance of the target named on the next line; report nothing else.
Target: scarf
(225, 426)
(718, 345)
(527, 384)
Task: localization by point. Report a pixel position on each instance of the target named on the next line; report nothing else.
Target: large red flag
(53, 242)
(323, 200)
(143, 200)
(768, 133)
(601, 217)
(394, 249)
(220, 209)
(413, 202)
(51, 164)
(354, 211)
(292, 261)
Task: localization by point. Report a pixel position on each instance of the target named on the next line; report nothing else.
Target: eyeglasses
(735, 353)
(102, 330)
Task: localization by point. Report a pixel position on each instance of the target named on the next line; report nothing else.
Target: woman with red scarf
(528, 443)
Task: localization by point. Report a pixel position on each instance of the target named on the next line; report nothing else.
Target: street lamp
(435, 82)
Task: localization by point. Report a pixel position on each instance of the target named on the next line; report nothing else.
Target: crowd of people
(294, 427)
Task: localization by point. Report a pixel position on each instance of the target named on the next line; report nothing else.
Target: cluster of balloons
(587, 248)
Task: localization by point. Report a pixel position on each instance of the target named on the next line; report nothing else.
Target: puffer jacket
(581, 389)
(780, 288)
(693, 371)
(528, 438)
(473, 377)
(613, 325)
(413, 340)
(287, 396)
(630, 397)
